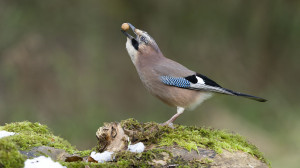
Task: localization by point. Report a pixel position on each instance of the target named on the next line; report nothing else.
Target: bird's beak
(135, 31)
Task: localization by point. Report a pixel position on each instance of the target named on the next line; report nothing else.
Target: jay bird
(168, 80)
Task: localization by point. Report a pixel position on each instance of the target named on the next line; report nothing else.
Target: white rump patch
(201, 97)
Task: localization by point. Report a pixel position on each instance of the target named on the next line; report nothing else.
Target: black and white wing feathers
(201, 82)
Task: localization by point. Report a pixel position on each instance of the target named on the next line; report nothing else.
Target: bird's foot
(169, 124)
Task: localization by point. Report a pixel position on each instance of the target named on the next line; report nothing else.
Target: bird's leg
(173, 118)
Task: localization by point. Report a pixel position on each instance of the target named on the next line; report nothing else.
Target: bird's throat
(131, 51)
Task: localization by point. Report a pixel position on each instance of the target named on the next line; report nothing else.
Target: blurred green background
(64, 64)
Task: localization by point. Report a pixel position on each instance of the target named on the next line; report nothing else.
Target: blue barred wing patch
(175, 81)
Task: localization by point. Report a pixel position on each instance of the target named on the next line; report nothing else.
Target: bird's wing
(201, 82)
(195, 82)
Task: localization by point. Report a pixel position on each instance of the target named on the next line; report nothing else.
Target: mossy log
(183, 146)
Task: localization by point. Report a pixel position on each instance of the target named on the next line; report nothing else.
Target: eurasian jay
(168, 80)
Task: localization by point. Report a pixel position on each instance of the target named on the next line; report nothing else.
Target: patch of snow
(250, 166)
(6, 133)
(102, 157)
(42, 161)
(137, 148)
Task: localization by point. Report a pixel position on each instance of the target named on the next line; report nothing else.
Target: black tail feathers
(247, 96)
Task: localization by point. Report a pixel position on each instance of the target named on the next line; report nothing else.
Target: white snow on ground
(42, 162)
(137, 148)
(102, 157)
(5, 134)
(107, 156)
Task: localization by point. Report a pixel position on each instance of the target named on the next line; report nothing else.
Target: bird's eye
(143, 39)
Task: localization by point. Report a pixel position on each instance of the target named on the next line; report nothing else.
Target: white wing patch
(200, 80)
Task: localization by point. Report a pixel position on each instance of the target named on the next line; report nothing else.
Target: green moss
(21, 127)
(124, 159)
(9, 154)
(147, 133)
(29, 135)
(206, 161)
(190, 138)
(181, 163)
(80, 164)
(34, 134)
(85, 152)
(129, 159)
(131, 124)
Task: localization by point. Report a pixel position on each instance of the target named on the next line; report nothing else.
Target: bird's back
(150, 70)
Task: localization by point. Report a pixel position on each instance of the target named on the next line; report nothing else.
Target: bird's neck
(146, 60)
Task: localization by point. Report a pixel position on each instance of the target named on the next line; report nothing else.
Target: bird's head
(140, 45)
